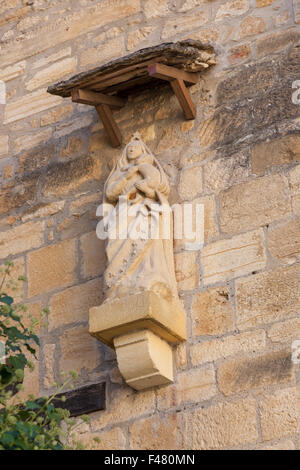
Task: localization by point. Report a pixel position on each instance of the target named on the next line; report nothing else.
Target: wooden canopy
(106, 87)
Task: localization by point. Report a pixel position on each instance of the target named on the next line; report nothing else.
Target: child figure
(144, 164)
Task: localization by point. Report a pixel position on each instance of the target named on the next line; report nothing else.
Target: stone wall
(236, 385)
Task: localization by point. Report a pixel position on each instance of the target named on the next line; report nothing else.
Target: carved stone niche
(141, 317)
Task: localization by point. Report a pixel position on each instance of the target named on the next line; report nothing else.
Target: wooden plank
(109, 124)
(164, 72)
(93, 99)
(84, 400)
(119, 76)
(184, 99)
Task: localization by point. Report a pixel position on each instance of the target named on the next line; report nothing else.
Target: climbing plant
(34, 423)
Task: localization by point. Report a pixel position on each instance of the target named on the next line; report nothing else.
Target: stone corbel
(142, 329)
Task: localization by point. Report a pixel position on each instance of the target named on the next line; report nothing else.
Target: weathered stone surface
(268, 297)
(181, 355)
(230, 258)
(51, 267)
(103, 53)
(280, 414)
(190, 184)
(8, 5)
(227, 125)
(186, 270)
(182, 24)
(14, 15)
(68, 127)
(154, 433)
(193, 386)
(28, 105)
(56, 56)
(295, 188)
(3, 145)
(263, 115)
(212, 312)
(75, 225)
(49, 361)
(239, 53)
(65, 177)
(250, 373)
(123, 404)
(284, 240)
(21, 238)
(13, 71)
(253, 204)
(93, 253)
(224, 425)
(138, 36)
(282, 445)
(263, 3)
(296, 5)
(43, 210)
(78, 350)
(285, 332)
(72, 305)
(31, 140)
(114, 439)
(74, 146)
(79, 22)
(225, 172)
(232, 8)
(276, 41)
(8, 172)
(55, 115)
(34, 159)
(212, 350)
(248, 81)
(52, 73)
(251, 26)
(154, 8)
(276, 152)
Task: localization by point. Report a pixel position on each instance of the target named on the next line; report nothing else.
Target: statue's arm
(117, 185)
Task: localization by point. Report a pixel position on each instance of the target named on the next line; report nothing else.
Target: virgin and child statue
(138, 257)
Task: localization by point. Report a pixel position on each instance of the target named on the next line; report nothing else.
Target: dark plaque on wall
(83, 400)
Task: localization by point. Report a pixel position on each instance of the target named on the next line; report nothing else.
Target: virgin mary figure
(138, 257)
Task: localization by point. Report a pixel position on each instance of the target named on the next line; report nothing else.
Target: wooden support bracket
(177, 79)
(103, 104)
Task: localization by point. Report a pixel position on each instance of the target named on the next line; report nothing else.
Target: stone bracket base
(144, 359)
(139, 327)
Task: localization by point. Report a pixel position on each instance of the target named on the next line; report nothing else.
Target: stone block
(230, 258)
(212, 350)
(51, 267)
(212, 312)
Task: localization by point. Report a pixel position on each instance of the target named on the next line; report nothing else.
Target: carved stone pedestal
(144, 359)
(139, 327)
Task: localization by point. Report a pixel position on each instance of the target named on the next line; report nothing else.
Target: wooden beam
(109, 124)
(93, 99)
(164, 72)
(84, 400)
(184, 98)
